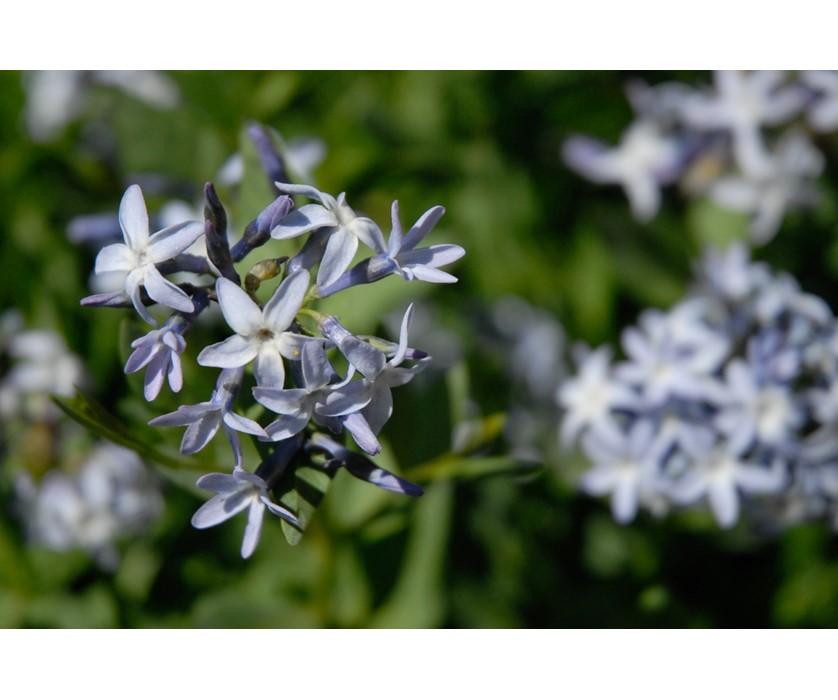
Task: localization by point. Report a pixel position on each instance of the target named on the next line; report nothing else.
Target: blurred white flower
(644, 160)
(112, 495)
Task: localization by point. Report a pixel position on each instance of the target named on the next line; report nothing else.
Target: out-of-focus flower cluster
(728, 400)
(111, 495)
(317, 379)
(68, 494)
(746, 142)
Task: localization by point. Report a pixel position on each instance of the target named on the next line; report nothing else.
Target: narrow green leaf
(307, 487)
(450, 467)
(96, 418)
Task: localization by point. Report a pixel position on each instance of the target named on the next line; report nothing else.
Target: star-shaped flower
(321, 397)
(719, 472)
(644, 160)
(204, 419)
(140, 254)
(344, 227)
(238, 491)
(261, 334)
(744, 103)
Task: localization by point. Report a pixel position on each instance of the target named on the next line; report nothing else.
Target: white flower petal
(254, 528)
(239, 310)
(116, 257)
(166, 293)
(286, 301)
(309, 217)
(173, 240)
(199, 433)
(221, 508)
(133, 218)
(422, 227)
(243, 425)
(220, 483)
(269, 369)
(338, 255)
(229, 354)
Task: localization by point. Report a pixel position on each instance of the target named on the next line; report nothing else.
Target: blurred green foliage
(489, 545)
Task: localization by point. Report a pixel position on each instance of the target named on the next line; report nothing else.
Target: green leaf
(303, 495)
(450, 467)
(96, 418)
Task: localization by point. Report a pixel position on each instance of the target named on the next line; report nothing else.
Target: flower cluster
(311, 373)
(728, 399)
(744, 142)
(111, 495)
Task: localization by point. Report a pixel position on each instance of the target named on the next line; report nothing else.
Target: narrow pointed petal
(254, 528)
(171, 241)
(286, 301)
(243, 425)
(430, 274)
(231, 353)
(166, 293)
(422, 227)
(309, 217)
(175, 374)
(155, 376)
(302, 190)
(239, 310)
(394, 245)
(337, 257)
(367, 471)
(317, 370)
(116, 257)
(286, 426)
(367, 231)
(132, 288)
(220, 483)
(184, 415)
(361, 432)
(368, 360)
(221, 508)
(140, 357)
(351, 398)
(380, 407)
(433, 256)
(283, 513)
(133, 218)
(199, 433)
(282, 401)
(403, 332)
(269, 369)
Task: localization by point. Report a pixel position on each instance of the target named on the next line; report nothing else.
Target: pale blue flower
(204, 419)
(261, 334)
(644, 160)
(742, 104)
(322, 397)
(671, 355)
(822, 112)
(718, 472)
(238, 491)
(140, 254)
(589, 398)
(402, 257)
(625, 465)
(784, 179)
(345, 229)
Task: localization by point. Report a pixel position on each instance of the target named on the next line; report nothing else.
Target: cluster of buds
(745, 142)
(320, 380)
